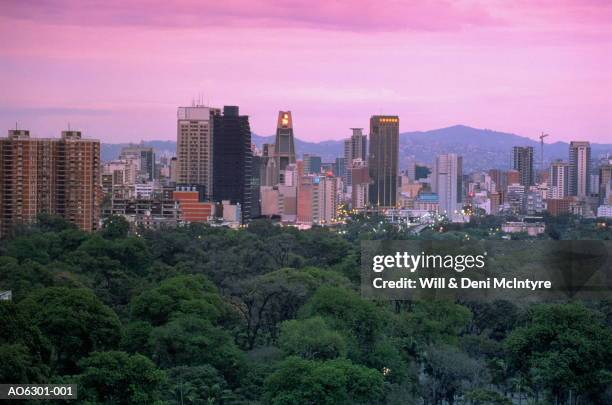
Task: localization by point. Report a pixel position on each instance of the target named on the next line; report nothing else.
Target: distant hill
(481, 148)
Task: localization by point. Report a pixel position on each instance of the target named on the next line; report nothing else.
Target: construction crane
(542, 152)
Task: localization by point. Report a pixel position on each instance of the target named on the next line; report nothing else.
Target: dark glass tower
(522, 160)
(383, 160)
(232, 159)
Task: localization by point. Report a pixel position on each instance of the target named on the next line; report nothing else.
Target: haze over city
(118, 70)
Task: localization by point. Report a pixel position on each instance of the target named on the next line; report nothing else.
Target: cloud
(351, 15)
(54, 111)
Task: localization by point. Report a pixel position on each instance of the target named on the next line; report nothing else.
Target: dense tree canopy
(270, 314)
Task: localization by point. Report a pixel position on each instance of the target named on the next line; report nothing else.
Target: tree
(564, 348)
(73, 321)
(311, 339)
(196, 385)
(180, 295)
(449, 371)
(120, 378)
(298, 381)
(361, 321)
(265, 301)
(191, 341)
(115, 227)
(24, 353)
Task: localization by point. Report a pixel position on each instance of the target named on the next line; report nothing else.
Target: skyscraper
(312, 163)
(232, 159)
(268, 171)
(558, 180)
(53, 176)
(522, 160)
(355, 147)
(145, 156)
(194, 146)
(383, 160)
(448, 171)
(284, 148)
(78, 187)
(579, 168)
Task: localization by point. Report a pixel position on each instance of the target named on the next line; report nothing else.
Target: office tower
(383, 160)
(255, 186)
(53, 176)
(284, 148)
(558, 180)
(268, 165)
(500, 178)
(340, 168)
(174, 166)
(448, 171)
(316, 201)
(145, 158)
(361, 181)
(232, 159)
(605, 183)
(312, 164)
(522, 161)
(579, 168)
(355, 147)
(513, 177)
(194, 146)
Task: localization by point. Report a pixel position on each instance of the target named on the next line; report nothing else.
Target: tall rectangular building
(558, 179)
(579, 168)
(448, 171)
(355, 147)
(78, 183)
(52, 176)
(522, 161)
(284, 147)
(383, 160)
(194, 146)
(232, 159)
(312, 163)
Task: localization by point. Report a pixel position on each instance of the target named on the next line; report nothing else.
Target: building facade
(194, 146)
(579, 168)
(232, 159)
(383, 160)
(52, 176)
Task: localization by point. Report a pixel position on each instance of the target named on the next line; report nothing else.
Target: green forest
(273, 315)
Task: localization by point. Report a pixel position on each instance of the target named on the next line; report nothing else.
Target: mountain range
(481, 149)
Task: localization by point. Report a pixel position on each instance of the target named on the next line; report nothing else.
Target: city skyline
(118, 71)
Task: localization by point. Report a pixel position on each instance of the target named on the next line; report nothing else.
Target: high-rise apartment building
(284, 147)
(383, 160)
(448, 171)
(232, 159)
(558, 180)
(579, 168)
(194, 146)
(522, 161)
(54, 176)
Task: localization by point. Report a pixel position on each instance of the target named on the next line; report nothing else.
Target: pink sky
(117, 70)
